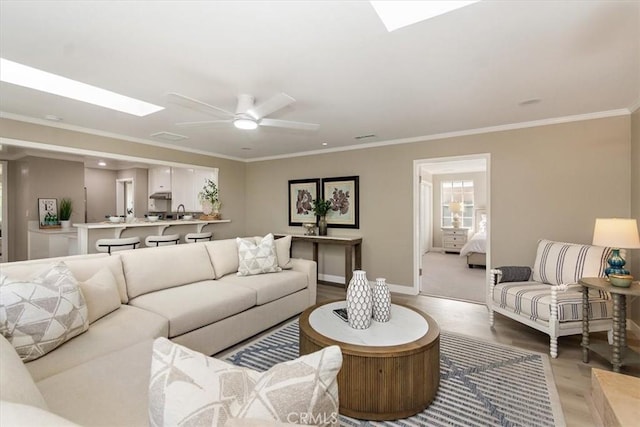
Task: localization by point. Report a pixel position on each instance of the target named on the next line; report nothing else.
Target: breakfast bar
(89, 233)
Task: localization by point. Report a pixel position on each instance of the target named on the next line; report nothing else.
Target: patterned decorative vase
(359, 301)
(381, 301)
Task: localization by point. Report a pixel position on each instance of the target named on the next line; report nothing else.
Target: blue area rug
(481, 383)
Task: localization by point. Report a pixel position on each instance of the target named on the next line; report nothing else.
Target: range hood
(161, 195)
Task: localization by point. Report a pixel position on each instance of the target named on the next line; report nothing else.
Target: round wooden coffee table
(389, 371)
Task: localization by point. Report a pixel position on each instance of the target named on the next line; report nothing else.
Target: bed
(476, 247)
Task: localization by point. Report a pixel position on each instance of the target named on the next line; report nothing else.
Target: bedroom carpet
(447, 276)
(481, 383)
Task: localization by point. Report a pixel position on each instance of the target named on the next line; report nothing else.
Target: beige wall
(635, 205)
(31, 178)
(544, 183)
(101, 193)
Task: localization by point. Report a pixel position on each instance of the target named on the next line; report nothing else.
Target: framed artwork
(48, 213)
(343, 192)
(301, 193)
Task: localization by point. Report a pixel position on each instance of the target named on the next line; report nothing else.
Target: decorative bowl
(115, 219)
(187, 217)
(153, 218)
(621, 280)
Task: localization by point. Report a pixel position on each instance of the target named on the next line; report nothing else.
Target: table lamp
(616, 233)
(455, 208)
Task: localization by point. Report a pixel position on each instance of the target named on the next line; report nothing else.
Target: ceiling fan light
(245, 124)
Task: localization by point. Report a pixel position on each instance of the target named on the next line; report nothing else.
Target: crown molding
(478, 131)
(96, 132)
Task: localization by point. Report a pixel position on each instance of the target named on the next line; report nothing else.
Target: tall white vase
(381, 301)
(359, 301)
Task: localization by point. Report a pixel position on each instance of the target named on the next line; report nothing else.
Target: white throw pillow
(189, 388)
(257, 257)
(283, 250)
(39, 314)
(101, 294)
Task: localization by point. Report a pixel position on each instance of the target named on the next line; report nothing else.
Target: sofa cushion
(283, 251)
(115, 331)
(101, 294)
(559, 263)
(39, 314)
(83, 269)
(189, 388)
(224, 256)
(16, 384)
(109, 390)
(270, 287)
(152, 269)
(257, 257)
(16, 414)
(195, 305)
(533, 299)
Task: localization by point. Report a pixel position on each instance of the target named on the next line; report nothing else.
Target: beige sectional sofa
(189, 293)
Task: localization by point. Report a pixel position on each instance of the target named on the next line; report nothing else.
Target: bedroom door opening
(457, 211)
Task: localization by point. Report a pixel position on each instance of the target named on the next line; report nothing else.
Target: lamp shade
(616, 233)
(455, 207)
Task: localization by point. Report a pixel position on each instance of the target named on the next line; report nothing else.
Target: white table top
(405, 326)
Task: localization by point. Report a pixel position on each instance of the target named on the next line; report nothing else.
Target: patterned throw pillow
(189, 388)
(257, 257)
(39, 314)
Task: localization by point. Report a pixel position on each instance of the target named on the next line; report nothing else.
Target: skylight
(398, 14)
(22, 75)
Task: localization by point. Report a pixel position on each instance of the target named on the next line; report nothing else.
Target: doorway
(4, 218)
(125, 196)
(439, 268)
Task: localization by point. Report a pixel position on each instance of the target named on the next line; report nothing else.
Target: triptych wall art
(342, 192)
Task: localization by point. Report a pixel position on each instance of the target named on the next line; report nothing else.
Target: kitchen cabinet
(186, 183)
(159, 182)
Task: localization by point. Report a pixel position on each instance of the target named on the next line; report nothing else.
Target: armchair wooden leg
(491, 318)
(553, 347)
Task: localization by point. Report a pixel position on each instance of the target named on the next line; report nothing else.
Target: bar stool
(169, 239)
(110, 245)
(196, 237)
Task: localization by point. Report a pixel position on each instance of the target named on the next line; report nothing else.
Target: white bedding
(478, 243)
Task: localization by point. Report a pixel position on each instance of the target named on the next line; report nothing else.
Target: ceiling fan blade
(289, 124)
(271, 105)
(202, 124)
(194, 104)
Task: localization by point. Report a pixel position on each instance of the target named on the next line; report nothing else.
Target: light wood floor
(572, 377)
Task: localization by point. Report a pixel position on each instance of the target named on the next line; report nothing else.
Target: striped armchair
(551, 300)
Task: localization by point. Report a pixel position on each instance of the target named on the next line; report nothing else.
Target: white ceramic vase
(359, 301)
(381, 301)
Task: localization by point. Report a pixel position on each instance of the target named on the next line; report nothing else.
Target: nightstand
(453, 239)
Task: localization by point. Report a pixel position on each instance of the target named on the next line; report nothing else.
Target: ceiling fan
(247, 115)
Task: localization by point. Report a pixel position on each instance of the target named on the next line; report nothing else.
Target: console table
(352, 246)
(617, 354)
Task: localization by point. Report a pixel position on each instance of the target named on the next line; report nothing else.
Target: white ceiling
(464, 70)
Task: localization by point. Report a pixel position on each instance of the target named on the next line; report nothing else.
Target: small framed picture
(48, 213)
(343, 192)
(301, 193)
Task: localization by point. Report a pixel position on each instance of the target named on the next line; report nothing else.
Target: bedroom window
(460, 191)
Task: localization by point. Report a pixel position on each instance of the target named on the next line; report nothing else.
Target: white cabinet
(186, 183)
(453, 239)
(159, 180)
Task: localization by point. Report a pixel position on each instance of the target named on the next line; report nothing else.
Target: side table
(620, 354)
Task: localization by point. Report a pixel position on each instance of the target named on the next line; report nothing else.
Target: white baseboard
(398, 289)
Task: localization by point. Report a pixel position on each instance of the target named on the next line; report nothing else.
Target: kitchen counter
(89, 233)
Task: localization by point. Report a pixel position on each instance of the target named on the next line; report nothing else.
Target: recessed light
(102, 163)
(529, 102)
(53, 118)
(23, 75)
(325, 144)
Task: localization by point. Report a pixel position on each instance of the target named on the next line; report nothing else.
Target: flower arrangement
(209, 194)
(321, 207)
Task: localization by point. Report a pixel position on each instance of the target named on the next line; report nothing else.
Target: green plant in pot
(209, 198)
(66, 208)
(321, 208)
